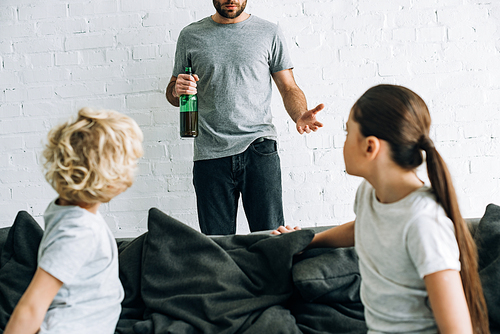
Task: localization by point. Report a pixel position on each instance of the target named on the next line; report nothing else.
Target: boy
(76, 287)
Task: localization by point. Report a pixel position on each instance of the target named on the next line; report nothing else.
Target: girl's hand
(285, 229)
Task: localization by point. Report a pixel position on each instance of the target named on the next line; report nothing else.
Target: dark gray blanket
(216, 285)
(192, 283)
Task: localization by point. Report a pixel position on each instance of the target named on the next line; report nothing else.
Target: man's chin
(231, 15)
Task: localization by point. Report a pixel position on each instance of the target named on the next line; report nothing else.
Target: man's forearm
(295, 102)
(170, 94)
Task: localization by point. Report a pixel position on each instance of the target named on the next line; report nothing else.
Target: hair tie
(425, 143)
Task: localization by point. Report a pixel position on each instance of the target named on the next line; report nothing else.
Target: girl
(417, 259)
(76, 288)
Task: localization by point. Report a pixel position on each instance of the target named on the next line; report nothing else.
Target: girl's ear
(372, 147)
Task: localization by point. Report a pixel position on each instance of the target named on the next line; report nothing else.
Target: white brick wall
(56, 57)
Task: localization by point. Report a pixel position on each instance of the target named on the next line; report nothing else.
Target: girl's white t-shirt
(397, 245)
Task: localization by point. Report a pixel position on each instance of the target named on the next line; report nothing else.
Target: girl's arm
(335, 237)
(33, 305)
(448, 302)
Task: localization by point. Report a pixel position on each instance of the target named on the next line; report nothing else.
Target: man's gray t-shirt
(398, 244)
(78, 249)
(234, 63)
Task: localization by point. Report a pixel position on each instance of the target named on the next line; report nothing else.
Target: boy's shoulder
(62, 218)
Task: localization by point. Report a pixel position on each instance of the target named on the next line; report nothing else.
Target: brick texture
(56, 57)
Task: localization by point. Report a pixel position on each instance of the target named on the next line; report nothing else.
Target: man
(234, 55)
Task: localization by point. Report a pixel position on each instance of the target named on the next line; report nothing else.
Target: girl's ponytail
(442, 185)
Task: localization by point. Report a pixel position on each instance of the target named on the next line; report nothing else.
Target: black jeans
(255, 174)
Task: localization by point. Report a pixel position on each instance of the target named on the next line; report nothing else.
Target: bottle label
(188, 103)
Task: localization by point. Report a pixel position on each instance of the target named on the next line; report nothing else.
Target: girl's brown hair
(400, 117)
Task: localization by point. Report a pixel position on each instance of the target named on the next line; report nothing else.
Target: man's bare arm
(171, 95)
(295, 102)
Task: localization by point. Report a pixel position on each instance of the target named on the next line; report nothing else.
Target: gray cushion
(487, 238)
(18, 262)
(327, 281)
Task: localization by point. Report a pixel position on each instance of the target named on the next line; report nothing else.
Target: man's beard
(225, 13)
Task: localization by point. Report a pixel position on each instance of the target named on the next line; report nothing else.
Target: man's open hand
(308, 122)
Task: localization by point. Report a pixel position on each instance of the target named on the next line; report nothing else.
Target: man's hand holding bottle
(185, 85)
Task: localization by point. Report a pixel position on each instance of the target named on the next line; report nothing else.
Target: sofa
(179, 281)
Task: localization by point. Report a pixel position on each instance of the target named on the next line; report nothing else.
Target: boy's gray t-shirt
(78, 249)
(234, 63)
(398, 244)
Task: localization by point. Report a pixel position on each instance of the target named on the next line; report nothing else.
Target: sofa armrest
(472, 223)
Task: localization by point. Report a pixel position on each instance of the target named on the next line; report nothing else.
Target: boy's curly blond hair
(93, 158)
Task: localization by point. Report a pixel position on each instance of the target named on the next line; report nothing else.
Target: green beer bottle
(189, 113)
